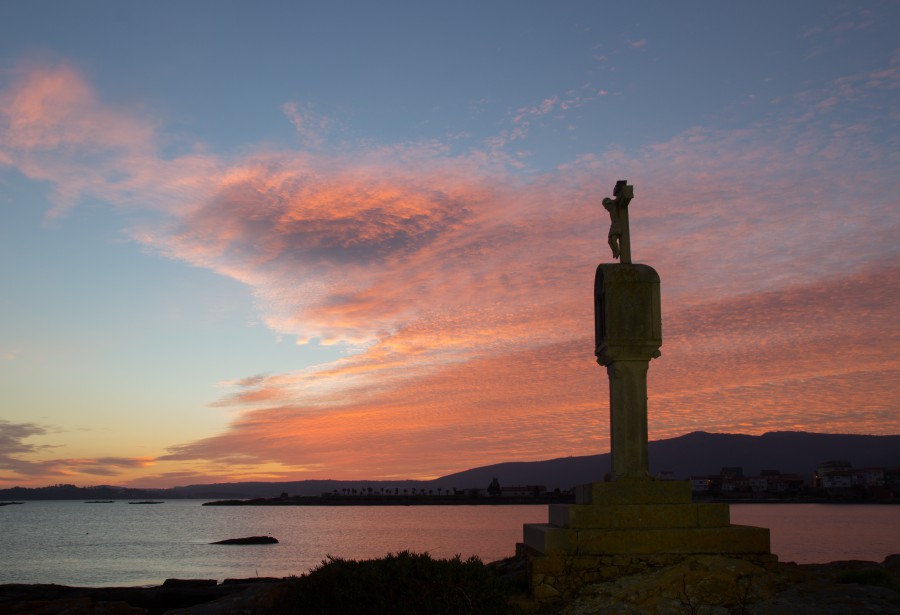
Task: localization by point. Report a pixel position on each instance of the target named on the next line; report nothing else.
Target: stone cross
(619, 235)
(633, 523)
(628, 331)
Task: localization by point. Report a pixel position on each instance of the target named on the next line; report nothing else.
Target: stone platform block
(636, 516)
(549, 539)
(732, 539)
(636, 491)
(728, 540)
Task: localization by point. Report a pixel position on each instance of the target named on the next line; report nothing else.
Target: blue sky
(308, 240)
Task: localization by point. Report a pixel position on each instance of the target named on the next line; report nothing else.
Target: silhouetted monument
(634, 522)
(628, 333)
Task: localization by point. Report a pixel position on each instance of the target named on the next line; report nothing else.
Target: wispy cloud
(311, 126)
(461, 289)
(13, 436)
(51, 118)
(519, 123)
(18, 456)
(54, 128)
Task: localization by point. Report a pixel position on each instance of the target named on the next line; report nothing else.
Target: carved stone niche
(627, 316)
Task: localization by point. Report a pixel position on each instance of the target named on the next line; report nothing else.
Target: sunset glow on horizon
(337, 242)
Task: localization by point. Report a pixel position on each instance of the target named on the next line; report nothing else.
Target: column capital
(608, 354)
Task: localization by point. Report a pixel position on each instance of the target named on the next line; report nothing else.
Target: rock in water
(250, 540)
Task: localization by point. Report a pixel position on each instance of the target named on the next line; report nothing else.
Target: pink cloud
(462, 289)
(54, 128)
(46, 112)
(51, 109)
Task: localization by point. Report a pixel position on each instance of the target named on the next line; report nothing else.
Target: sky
(357, 240)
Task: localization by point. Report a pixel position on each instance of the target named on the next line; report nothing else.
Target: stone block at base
(631, 526)
(634, 491)
(634, 516)
(730, 539)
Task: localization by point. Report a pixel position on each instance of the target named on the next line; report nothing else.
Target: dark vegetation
(402, 583)
(874, 575)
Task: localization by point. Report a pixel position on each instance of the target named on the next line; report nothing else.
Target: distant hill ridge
(700, 453)
(696, 453)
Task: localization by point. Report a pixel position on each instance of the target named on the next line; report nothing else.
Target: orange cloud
(462, 289)
(762, 363)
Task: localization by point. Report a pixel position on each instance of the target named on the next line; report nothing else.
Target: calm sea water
(75, 543)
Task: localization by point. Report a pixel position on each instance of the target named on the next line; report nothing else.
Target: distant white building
(839, 479)
(758, 484)
(871, 477)
(830, 468)
(700, 483)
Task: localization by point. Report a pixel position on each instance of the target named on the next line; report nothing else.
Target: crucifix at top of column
(619, 236)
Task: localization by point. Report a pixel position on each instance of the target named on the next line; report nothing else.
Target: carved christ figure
(619, 240)
(615, 228)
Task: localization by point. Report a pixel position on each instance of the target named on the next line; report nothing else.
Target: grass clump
(878, 577)
(400, 584)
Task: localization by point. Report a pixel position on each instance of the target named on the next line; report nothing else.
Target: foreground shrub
(405, 583)
(868, 576)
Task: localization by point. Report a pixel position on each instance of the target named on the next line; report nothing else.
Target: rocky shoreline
(712, 585)
(174, 596)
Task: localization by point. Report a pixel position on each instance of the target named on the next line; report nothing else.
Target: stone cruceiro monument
(634, 522)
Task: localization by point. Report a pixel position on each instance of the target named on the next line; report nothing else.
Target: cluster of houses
(833, 479)
(731, 480)
(841, 475)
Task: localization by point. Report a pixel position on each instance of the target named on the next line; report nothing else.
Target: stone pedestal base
(626, 527)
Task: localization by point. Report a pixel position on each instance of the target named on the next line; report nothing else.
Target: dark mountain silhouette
(701, 453)
(697, 453)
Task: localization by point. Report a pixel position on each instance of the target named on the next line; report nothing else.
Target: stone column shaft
(628, 328)
(628, 418)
